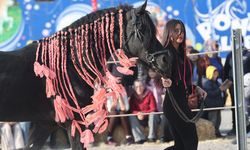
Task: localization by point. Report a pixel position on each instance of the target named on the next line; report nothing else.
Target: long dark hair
(168, 32)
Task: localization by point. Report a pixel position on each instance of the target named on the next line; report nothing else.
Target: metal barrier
(159, 113)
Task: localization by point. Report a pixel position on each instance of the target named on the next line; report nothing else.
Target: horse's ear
(142, 8)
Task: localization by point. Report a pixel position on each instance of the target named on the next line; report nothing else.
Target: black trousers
(184, 134)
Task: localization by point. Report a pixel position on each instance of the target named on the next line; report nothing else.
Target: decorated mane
(74, 45)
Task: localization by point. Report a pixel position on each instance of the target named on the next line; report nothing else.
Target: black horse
(77, 55)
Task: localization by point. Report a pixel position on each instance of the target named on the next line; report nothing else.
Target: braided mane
(88, 42)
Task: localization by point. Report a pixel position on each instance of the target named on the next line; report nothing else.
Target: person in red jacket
(142, 101)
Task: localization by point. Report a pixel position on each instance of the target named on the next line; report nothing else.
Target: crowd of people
(207, 72)
(146, 90)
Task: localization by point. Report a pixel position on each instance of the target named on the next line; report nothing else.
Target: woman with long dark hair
(180, 84)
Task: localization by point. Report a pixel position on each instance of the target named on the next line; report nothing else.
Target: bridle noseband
(151, 59)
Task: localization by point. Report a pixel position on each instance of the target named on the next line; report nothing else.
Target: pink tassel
(49, 88)
(103, 127)
(102, 114)
(75, 126)
(49, 73)
(41, 70)
(87, 138)
(125, 70)
(124, 60)
(59, 109)
(87, 109)
(99, 95)
(91, 118)
(67, 110)
(73, 129)
(38, 69)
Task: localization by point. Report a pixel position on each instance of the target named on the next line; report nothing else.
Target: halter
(152, 60)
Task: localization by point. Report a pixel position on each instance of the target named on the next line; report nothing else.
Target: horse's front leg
(74, 141)
(39, 133)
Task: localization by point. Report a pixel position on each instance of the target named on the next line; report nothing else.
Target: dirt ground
(225, 143)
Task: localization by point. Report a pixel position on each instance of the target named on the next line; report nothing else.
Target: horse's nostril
(164, 59)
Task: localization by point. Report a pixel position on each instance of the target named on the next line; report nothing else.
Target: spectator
(202, 64)
(121, 108)
(25, 126)
(214, 97)
(247, 100)
(215, 60)
(194, 60)
(12, 136)
(142, 101)
(154, 84)
(228, 74)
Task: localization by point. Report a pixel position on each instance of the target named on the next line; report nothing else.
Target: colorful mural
(25, 20)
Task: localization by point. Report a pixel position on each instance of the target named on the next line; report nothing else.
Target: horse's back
(21, 92)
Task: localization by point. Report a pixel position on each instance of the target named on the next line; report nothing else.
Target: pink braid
(88, 62)
(37, 51)
(93, 64)
(112, 27)
(121, 26)
(100, 44)
(107, 36)
(96, 42)
(103, 40)
(45, 51)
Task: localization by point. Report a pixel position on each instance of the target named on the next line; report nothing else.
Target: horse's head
(140, 40)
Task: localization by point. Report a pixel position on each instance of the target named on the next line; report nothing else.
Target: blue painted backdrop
(204, 19)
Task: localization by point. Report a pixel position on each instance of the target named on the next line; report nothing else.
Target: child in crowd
(214, 97)
(154, 84)
(121, 108)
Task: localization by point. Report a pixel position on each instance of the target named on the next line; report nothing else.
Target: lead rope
(176, 105)
(180, 112)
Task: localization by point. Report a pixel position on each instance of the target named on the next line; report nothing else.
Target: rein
(181, 113)
(151, 59)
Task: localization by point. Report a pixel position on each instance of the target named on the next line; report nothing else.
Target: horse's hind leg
(39, 133)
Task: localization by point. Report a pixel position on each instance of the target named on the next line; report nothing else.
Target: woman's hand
(201, 92)
(166, 82)
(140, 116)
